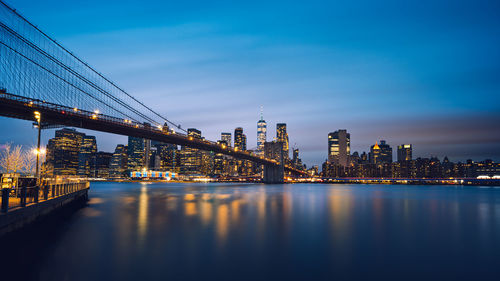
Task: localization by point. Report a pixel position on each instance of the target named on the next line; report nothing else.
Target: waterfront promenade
(23, 205)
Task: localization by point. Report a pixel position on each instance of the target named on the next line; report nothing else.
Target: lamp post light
(38, 118)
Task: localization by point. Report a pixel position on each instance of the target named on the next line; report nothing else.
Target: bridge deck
(23, 108)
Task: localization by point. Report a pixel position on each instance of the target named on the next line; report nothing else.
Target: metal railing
(21, 197)
(69, 111)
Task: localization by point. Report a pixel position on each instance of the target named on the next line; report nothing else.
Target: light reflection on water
(132, 231)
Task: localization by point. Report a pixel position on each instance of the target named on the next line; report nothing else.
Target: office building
(103, 161)
(63, 153)
(274, 150)
(87, 157)
(339, 147)
(135, 154)
(226, 138)
(118, 162)
(380, 153)
(261, 135)
(404, 152)
(191, 158)
(282, 136)
(240, 139)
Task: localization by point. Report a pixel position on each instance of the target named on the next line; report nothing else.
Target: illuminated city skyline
(429, 84)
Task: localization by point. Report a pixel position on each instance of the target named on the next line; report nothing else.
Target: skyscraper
(261, 134)
(226, 137)
(147, 149)
(404, 152)
(118, 163)
(220, 161)
(63, 152)
(167, 153)
(240, 140)
(380, 154)
(87, 157)
(191, 157)
(135, 153)
(274, 150)
(282, 136)
(103, 164)
(339, 147)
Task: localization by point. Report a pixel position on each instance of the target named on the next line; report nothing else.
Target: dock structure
(23, 205)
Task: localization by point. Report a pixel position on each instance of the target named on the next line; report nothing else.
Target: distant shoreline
(451, 182)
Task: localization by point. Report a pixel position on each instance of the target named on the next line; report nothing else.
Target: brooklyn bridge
(40, 80)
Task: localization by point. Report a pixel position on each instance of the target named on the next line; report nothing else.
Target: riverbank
(463, 181)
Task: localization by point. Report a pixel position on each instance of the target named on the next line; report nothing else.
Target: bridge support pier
(273, 174)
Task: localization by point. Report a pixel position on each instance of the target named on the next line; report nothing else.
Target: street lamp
(38, 118)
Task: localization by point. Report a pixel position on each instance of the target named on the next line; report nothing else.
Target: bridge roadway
(19, 107)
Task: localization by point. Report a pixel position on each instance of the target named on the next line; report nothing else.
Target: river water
(217, 231)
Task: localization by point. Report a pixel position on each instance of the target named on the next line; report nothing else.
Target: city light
(75, 109)
(38, 116)
(41, 151)
(96, 111)
(94, 116)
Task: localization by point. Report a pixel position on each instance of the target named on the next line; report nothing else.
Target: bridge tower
(274, 173)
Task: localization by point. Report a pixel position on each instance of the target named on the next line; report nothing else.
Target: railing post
(37, 193)
(23, 196)
(5, 199)
(53, 190)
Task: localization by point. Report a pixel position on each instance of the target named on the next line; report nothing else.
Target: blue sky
(420, 72)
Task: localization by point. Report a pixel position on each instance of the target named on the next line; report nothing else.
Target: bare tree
(29, 162)
(11, 159)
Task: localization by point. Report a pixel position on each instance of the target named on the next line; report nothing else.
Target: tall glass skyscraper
(191, 157)
(240, 140)
(135, 153)
(118, 163)
(282, 136)
(87, 157)
(261, 134)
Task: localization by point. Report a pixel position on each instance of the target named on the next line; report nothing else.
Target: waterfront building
(135, 154)
(282, 136)
(339, 147)
(404, 152)
(63, 153)
(87, 157)
(261, 135)
(118, 162)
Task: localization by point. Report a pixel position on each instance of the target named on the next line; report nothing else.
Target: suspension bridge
(38, 74)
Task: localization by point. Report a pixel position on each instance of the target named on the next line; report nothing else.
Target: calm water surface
(158, 231)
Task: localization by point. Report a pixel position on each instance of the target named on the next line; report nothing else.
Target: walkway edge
(18, 218)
